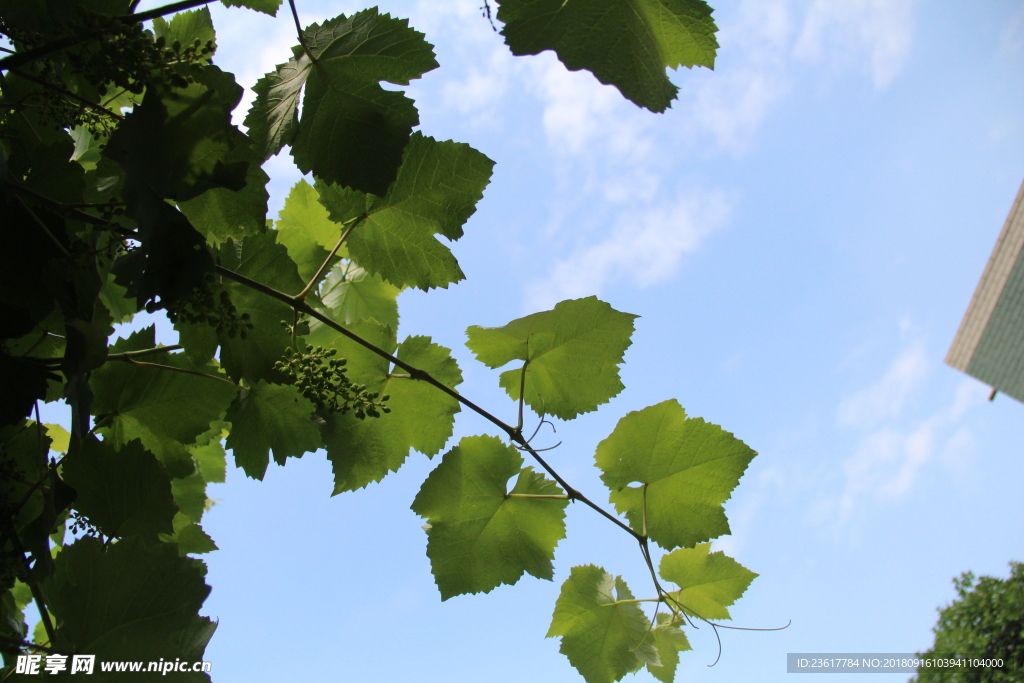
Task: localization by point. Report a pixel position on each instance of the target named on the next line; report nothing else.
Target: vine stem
(415, 373)
(301, 296)
(71, 209)
(42, 226)
(67, 93)
(144, 352)
(141, 364)
(554, 496)
(298, 32)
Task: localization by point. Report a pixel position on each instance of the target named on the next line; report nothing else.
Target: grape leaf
(220, 213)
(689, 468)
(306, 230)
(571, 354)
(421, 417)
(164, 409)
(260, 258)
(270, 416)
(129, 599)
(436, 191)
(190, 496)
(625, 43)
(352, 131)
(478, 536)
(123, 491)
(186, 28)
(708, 582)
(349, 294)
(189, 536)
(273, 118)
(605, 639)
(670, 641)
(265, 6)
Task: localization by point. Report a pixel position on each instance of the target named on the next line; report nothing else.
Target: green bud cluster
(322, 379)
(209, 304)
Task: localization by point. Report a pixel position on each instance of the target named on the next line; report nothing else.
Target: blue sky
(800, 235)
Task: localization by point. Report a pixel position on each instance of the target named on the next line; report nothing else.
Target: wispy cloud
(844, 33)
(643, 248)
(892, 442)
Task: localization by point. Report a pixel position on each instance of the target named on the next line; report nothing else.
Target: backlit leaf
(164, 409)
(479, 537)
(435, 193)
(421, 417)
(603, 636)
(270, 417)
(689, 468)
(708, 582)
(572, 355)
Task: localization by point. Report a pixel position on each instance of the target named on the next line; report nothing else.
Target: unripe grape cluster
(321, 378)
(209, 304)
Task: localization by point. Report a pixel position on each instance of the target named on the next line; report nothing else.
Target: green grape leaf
(60, 440)
(186, 28)
(115, 298)
(436, 191)
(270, 416)
(130, 599)
(708, 582)
(572, 355)
(123, 491)
(266, 6)
(479, 537)
(670, 641)
(625, 43)
(688, 467)
(273, 118)
(306, 230)
(260, 258)
(421, 417)
(209, 453)
(164, 409)
(349, 294)
(352, 132)
(190, 537)
(190, 496)
(603, 636)
(221, 213)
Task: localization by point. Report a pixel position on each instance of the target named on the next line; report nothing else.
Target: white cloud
(845, 32)
(644, 247)
(885, 398)
(892, 447)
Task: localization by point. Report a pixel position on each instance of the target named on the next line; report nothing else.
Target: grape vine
(126, 187)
